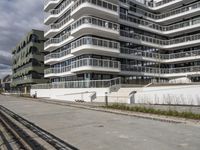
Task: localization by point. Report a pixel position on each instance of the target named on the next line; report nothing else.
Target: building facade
(140, 41)
(28, 62)
(6, 81)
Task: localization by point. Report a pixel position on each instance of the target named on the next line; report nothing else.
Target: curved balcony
(184, 41)
(54, 14)
(53, 58)
(179, 13)
(160, 72)
(95, 26)
(58, 72)
(162, 58)
(58, 27)
(101, 8)
(174, 29)
(98, 65)
(54, 43)
(50, 4)
(163, 5)
(92, 45)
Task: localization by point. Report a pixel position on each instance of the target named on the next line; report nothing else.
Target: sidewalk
(98, 107)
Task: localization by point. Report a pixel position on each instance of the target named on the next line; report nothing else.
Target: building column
(25, 90)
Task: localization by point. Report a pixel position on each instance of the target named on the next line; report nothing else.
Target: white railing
(87, 40)
(59, 24)
(57, 55)
(103, 63)
(158, 27)
(95, 21)
(161, 71)
(80, 84)
(152, 4)
(58, 10)
(84, 41)
(100, 3)
(157, 41)
(42, 86)
(57, 40)
(57, 70)
(158, 56)
(167, 14)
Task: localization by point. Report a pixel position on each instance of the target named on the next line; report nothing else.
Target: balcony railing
(96, 22)
(58, 25)
(57, 55)
(153, 4)
(58, 10)
(161, 71)
(158, 27)
(84, 41)
(157, 41)
(42, 86)
(96, 42)
(57, 40)
(157, 56)
(80, 84)
(92, 62)
(20, 79)
(167, 14)
(58, 70)
(100, 3)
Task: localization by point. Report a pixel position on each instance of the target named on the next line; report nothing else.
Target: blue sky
(16, 18)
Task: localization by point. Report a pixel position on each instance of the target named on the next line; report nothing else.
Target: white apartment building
(138, 41)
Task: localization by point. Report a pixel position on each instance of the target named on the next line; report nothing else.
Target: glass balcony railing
(80, 84)
(57, 40)
(97, 22)
(84, 41)
(96, 63)
(22, 79)
(92, 62)
(57, 55)
(100, 3)
(167, 14)
(57, 70)
(153, 4)
(157, 56)
(95, 42)
(58, 25)
(42, 86)
(158, 27)
(157, 41)
(58, 10)
(159, 71)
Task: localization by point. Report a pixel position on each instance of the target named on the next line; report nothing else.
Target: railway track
(18, 133)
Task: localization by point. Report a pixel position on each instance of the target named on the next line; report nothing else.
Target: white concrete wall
(180, 80)
(185, 95)
(71, 94)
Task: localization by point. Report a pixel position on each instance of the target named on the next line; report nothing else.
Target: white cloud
(17, 18)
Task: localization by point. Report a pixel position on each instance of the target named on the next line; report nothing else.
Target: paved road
(93, 130)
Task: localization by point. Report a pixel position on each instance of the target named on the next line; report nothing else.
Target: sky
(17, 17)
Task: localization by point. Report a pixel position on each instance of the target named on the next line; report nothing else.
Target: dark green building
(28, 62)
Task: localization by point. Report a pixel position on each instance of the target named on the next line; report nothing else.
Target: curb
(154, 117)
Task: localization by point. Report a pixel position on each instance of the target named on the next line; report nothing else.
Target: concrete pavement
(93, 130)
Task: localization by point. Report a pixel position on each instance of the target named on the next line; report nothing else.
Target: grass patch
(143, 109)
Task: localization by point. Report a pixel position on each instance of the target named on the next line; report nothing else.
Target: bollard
(106, 99)
(35, 95)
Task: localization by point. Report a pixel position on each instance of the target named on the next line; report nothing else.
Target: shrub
(143, 109)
